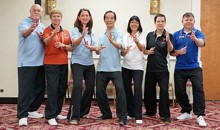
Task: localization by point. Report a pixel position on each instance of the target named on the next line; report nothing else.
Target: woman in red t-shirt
(57, 43)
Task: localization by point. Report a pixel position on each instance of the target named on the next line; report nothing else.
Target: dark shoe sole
(146, 114)
(104, 117)
(167, 120)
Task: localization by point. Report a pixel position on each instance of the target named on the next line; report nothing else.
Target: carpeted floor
(8, 120)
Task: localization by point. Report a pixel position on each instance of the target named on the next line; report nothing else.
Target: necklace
(183, 38)
(58, 39)
(131, 42)
(85, 40)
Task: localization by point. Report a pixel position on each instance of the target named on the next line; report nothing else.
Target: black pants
(195, 76)
(31, 88)
(102, 80)
(134, 101)
(56, 89)
(80, 104)
(162, 78)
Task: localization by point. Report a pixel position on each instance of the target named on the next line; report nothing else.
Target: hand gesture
(167, 36)
(151, 51)
(192, 36)
(59, 44)
(57, 29)
(110, 37)
(85, 30)
(135, 38)
(40, 35)
(182, 51)
(34, 25)
(86, 44)
(126, 50)
(100, 48)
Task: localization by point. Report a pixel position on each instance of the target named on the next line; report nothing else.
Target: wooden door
(210, 26)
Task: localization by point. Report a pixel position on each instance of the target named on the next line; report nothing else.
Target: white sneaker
(139, 121)
(200, 120)
(61, 117)
(128, 117)
(85, 116)
(35, 114)
(52, 121)
(23, 122)
(184, 116)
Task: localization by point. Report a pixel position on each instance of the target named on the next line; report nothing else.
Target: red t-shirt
(53, 55)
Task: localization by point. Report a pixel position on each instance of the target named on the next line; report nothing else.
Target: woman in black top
(159, 43)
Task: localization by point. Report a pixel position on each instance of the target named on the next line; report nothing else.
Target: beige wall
(13, 11)
(124, 9)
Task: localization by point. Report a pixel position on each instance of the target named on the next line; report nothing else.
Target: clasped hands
(59, 44)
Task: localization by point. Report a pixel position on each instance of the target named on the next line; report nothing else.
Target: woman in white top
(133, 67)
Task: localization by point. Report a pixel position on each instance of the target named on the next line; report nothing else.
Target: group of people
(44, 51)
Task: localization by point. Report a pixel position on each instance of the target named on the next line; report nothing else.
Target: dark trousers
(134, 101)
(80, 104)
(195, 76)
(162, 78)
(56, 89)
(31, 88)
(102, 80)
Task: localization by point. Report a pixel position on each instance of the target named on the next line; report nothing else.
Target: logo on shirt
(65, 35)
(181, 36)
(163, 40)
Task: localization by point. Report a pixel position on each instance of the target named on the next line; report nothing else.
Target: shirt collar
(30, 20)
(193, 29)
(113, 31)
(137, 34)
(52, 27)
(163, 34)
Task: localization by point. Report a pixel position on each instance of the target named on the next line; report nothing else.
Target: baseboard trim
(8, 100)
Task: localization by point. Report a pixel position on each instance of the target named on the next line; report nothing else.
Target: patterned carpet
(8, 120)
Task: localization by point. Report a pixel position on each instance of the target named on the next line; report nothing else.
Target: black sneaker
(122, 122)
(104, 117)
(167, 120)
